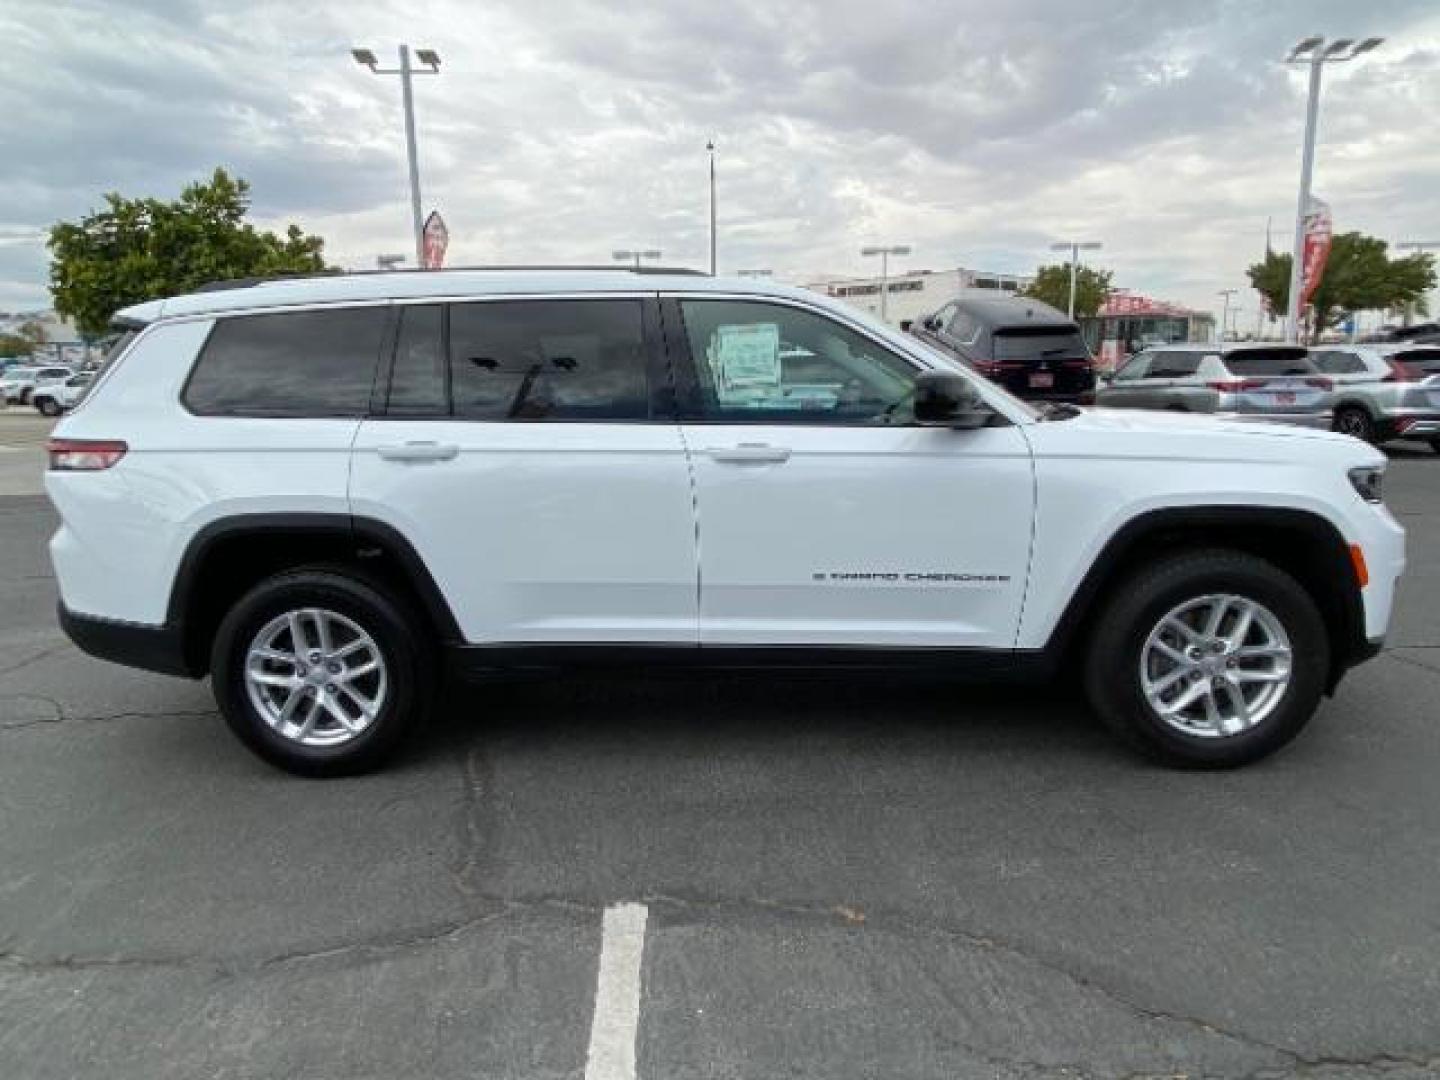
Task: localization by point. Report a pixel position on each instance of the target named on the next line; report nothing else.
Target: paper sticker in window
(746, 356)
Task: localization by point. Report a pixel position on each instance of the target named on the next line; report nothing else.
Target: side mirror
(945, 399)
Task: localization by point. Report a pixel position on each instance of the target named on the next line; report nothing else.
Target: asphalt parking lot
(837, 878)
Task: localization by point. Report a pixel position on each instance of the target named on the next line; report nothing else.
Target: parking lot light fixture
(430, 61)
(1074, 247)
(885, 253)
(1315, 52)
(1225, 312)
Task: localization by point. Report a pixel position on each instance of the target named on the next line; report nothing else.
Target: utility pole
(710, 146)
(885, 253)
(431, 59)
(1316, 52)
(1075, 247)
(1225, 311)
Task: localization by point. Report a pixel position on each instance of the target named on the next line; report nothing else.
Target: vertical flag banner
(434, 239)
(1318, 230)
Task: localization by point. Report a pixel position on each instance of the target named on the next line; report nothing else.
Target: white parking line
(617, 995)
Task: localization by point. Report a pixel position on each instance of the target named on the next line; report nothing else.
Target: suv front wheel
(1209, 659)
(319, 672)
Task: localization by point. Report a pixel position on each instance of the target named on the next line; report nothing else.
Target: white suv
(328, 493)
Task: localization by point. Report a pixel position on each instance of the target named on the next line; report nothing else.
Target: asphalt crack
(477, 783)
(59, 715)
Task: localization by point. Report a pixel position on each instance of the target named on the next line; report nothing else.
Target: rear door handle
(418, 451)
(750, 454)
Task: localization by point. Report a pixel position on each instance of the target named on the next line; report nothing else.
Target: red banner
(434, 239)
(1317, 248)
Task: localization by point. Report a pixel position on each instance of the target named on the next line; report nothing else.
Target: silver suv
(1239, 381)
(1384, 391)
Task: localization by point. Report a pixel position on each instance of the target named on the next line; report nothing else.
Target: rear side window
(301, 363)
(1174, 365)
(549, 360)
(1269, 362)
(1419, 363)
(1035, 343)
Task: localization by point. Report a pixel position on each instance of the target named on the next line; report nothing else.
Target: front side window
(769, 363)
(1136, 368)
(549, 360)
(1337, 363)
(294, 363)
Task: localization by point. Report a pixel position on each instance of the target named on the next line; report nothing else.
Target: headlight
(1368, 482)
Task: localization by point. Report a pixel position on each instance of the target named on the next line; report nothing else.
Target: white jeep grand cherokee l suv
(328, 493)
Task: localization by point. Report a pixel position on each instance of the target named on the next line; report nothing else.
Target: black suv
(1026, 346)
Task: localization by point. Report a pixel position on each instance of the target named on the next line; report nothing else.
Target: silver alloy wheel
(1216, 666)
(316, 677)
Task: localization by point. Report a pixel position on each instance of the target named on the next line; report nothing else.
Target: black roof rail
(249, 282)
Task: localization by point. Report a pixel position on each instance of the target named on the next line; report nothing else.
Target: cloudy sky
(561, 129)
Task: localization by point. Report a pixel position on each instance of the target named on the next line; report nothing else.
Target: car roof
(455, 284)
(1011, 310)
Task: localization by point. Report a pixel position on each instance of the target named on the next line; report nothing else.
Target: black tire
(398, 633)
(1355, 421)
(1113, 662)
(48, 406)
(24, 397)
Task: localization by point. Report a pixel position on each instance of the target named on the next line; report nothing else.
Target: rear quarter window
(1269, 362)
(296, 364)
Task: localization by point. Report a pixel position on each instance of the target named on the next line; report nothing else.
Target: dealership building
(909, 296)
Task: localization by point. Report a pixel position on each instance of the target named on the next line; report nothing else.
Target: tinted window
(1269, 362)
(768, 363)
(1174, 365)
(302, 363)
(549, 360)
(1338, 363)
(1039, 343)
(417, 379)
(1136, 368)
(1419, 363)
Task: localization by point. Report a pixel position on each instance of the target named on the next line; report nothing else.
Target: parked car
(52, 399)
(1029, 348)
(19, 383)
(325, 493)
(1384, 391)
(1427, 333)
(1231, 381)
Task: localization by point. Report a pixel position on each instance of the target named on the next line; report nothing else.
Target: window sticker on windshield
(746, 356)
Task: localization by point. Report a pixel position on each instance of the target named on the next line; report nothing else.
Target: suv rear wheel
(319, 672)
(1209, 659)
(48, 406)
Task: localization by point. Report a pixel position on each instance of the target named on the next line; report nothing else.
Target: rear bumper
(1319, 420)
(152, 648)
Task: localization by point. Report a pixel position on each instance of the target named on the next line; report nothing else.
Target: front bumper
(152, 648)
(1318, 420)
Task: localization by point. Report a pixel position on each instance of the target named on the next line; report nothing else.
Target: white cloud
(561, 129)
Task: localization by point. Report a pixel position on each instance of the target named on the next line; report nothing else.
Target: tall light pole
(1416, 245)
(1075, 247)
(1225, 312)
(710, 146)
(885, 253)
(1316, 52)
(637, 254)
(431, 61)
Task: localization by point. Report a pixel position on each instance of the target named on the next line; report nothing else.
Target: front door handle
(418, 451)
(750, 454)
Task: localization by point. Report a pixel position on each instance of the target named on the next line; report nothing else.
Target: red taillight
(84, 455)
(1400, 372)
(1234, 386)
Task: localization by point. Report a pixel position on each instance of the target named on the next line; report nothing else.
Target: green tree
(23, 341)
(1052, 286)
(1359, 276)
(141, 249)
